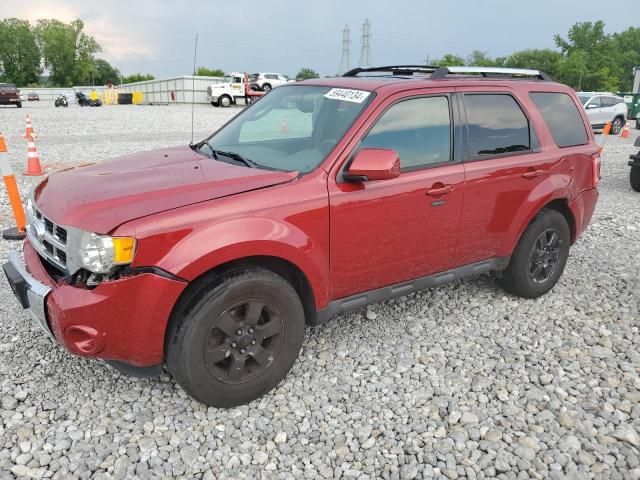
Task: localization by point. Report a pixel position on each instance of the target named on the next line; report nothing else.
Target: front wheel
(19, 104)
(540, 256)
(616, 125)
(634, 178)
(266, 88)
(225, 101)
(236, 338)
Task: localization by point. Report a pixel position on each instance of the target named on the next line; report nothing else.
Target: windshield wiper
(235, 156)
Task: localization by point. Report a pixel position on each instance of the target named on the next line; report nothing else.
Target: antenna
(193, 85)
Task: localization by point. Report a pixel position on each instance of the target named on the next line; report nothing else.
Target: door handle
(533, 174)
(437, 191)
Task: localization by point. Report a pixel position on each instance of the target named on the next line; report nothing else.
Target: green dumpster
(633, 103)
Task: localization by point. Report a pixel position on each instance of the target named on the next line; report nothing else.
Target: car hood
(100, 196)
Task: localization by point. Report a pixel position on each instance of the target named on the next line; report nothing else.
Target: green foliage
(137, 77)
(588, 59)
(208, 72)
(306, 74)
(450, 60)
(19, 52)
(67, 51)
(104, 72)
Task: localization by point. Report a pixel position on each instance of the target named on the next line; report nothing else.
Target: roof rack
(490, 72)
(393, 69)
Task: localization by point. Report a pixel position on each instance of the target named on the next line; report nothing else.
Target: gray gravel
(463, 381)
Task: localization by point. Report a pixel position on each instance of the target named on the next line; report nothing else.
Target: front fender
(201, 250)
(551, 188)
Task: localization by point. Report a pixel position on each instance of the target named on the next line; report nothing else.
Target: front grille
(48, 239)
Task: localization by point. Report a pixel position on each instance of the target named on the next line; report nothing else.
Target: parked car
(33, 97)
(10, 95)
(634, 163)
(324, 196)
(267, 81)
(603, 108)
(638, 121)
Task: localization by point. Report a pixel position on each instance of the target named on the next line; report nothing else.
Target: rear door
(503, 163)
(390, 231)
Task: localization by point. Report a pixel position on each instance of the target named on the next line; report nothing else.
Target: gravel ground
(463, 381)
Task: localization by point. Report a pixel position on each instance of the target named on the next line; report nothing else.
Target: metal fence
(180, 89)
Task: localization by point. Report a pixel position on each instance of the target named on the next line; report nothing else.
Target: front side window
(293, 128)
(418, 129)
(495, 125)
(596, 102)
(562, 117)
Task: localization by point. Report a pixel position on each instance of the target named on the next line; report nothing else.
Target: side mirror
(373, 164)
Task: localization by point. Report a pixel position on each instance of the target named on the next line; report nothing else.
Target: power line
(365, 42)
(345, 62)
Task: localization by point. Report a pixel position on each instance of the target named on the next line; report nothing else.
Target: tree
(588, 53)
(449, 60)
(208, 72)
(480, 59)
(546, 60)
(625, 47)
(137, 77)
(306, 74)
(104, 72)
(67, 51)
(19, 52)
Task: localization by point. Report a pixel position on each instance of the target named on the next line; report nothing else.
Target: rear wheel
(616, 125)
(540, 256)
(634, 178)
(237, 338)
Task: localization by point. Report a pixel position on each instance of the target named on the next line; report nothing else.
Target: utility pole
(345, 62)
(365, 51)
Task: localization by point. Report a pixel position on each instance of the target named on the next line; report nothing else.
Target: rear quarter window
(562, 118)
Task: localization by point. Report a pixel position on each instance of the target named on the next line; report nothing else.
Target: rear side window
(495, 125)
(562, 117)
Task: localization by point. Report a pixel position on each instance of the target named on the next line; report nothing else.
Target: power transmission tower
(345, 62)
(365, 51)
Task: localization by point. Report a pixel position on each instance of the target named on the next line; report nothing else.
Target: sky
(282, 36)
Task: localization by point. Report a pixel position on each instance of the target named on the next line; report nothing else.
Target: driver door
(391, 231)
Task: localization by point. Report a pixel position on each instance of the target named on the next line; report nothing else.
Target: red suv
(324, 196)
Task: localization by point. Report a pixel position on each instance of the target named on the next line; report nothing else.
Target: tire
(225, 101)
(213, 314)
(215, 104)
(617, 125)
(634, 178)
(266, 87)
(19, 104)
(528, 277)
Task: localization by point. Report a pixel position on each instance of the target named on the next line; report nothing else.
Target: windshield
(584, 99)
(293, 128)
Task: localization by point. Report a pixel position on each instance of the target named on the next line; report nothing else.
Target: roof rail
(393, 69)
(488, 72)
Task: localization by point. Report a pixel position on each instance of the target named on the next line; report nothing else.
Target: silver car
(603, 108)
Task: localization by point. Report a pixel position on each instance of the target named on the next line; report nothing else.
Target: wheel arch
(280, 266)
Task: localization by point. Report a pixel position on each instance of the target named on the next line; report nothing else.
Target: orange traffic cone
(285, 126)
(34, 168)
(625, 130)
(29, 132)
(19, 231)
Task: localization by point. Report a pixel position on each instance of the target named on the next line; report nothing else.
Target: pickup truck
(10, 95)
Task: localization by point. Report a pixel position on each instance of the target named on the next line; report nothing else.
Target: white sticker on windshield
(346, 94)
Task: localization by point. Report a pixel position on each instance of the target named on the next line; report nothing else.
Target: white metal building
(172, 90)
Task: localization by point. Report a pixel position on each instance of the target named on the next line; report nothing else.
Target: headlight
(101, 253)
